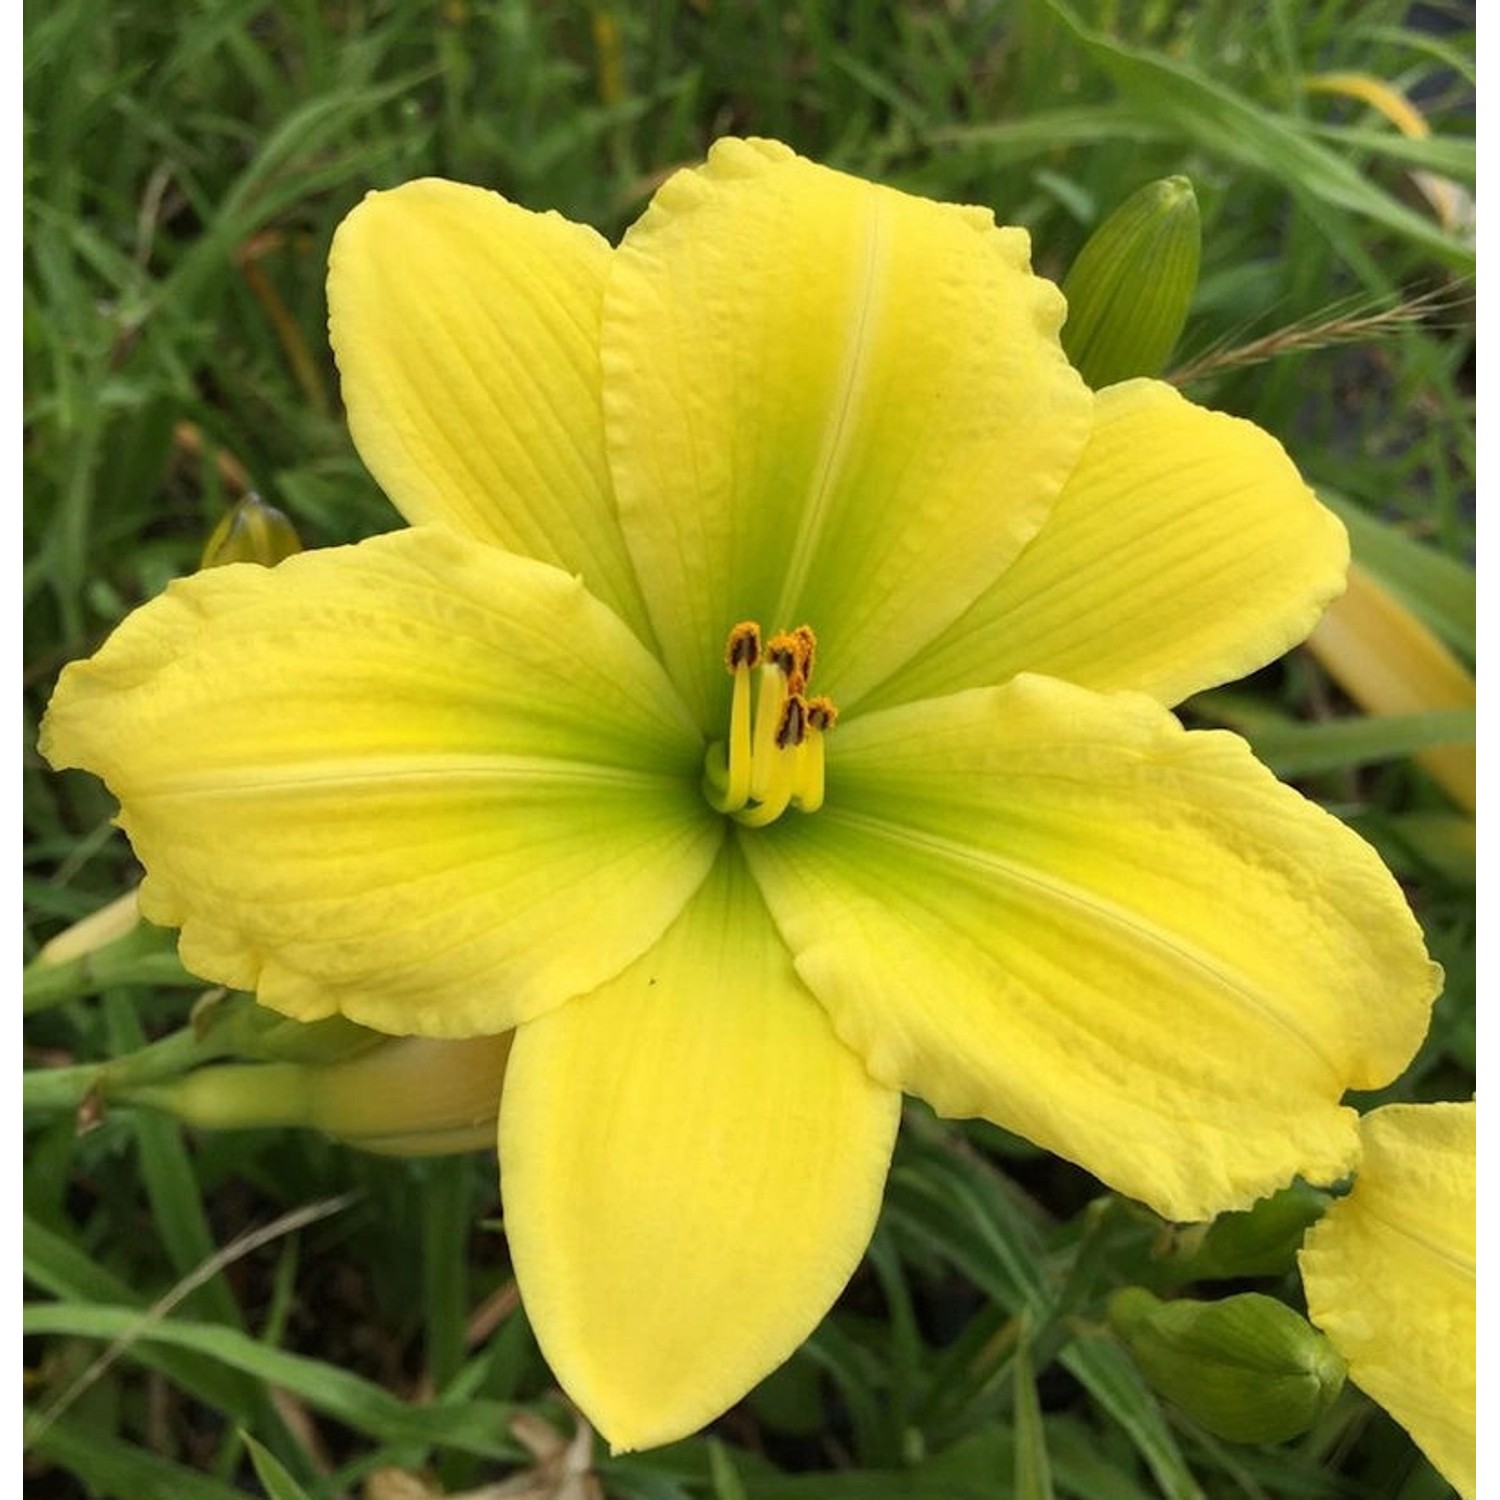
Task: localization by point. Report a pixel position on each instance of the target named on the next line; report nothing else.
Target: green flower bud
(408, 1096)
(252, 531)
(1129, 289)
(1248, 1368)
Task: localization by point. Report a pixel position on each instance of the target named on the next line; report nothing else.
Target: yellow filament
(769, 707)
(807, 774)
(777, 792)
(737, 793)
(716, 780)
(773, 758)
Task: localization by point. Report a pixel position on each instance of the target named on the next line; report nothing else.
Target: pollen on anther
(821, 714)
(792, 729)
(742, 649)
(783, 651)
(807, 650)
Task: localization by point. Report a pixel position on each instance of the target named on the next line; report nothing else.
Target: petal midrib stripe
(853, 370)
(1001, 868)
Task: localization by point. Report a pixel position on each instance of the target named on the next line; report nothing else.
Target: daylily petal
(1389, 1276)
(1389, 662)
(827, 403)
(691, 1165)
(1183, 552)
(387, 780)
(467, 336)
(1128, 943)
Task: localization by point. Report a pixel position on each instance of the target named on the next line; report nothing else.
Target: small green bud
(251, 531)
(1248, 1368)
(1129, 289)
(1261, 1241)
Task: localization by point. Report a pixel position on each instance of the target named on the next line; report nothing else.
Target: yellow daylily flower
(766, 714)
(1389, 1276)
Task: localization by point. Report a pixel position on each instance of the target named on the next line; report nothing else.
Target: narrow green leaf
(906, 1350)
(871, 1484)
(55, 1265)
(1084, 1466)
(117, 1470)
(858, 1375)
(446, 1219)
(474, 1427)
(1002, 1252)
(1046, 132)
(1106, 1372)
(292, 164)
(278, 1484)
(1032, 1470)
(1449, 155)
(1235, 128)
(629, 1482)
(1452, 54)
(727, 1482)
(1304, 749)
(985, 1230)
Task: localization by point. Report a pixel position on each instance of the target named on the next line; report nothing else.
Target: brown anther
(807, 650)
(792, 729)
(821, 714)
(784, 651)
(742, 649)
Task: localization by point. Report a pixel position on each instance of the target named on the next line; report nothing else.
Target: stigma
(773, 758)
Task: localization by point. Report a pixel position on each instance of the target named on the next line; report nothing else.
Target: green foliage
(185, 165)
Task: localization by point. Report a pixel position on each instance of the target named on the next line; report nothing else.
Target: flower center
(776, 760)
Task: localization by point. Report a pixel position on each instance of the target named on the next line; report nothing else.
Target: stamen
(807, 651)
(793, 726)
(785, 651)
(778, 759)
(767, 811)
(807, 775)
(743, 646)
(740, 655)
(770, 704)
(821, 714)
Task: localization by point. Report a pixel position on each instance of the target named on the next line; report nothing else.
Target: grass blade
(475, 1427)
(1221, 121)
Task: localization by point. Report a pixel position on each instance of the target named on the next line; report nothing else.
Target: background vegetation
(186, 163)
